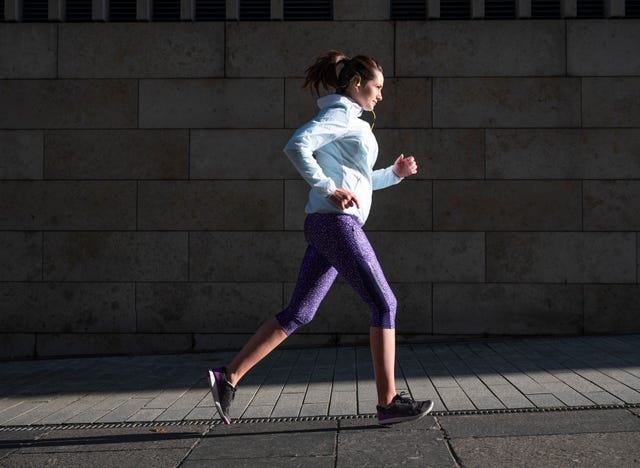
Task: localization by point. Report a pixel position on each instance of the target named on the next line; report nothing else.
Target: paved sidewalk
(462, 378)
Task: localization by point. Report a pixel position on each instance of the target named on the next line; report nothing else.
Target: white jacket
(345, 151)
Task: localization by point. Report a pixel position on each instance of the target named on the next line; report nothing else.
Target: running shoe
(223, 392)
(403, 408)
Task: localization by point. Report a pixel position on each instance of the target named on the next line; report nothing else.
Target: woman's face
(369, 93)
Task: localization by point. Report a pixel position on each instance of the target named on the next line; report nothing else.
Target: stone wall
(146, 205)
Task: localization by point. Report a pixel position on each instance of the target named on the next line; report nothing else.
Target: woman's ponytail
(335, 70)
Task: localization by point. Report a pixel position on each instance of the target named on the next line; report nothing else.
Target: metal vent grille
(211, 10)
(35, 10)
(590, 9)
(632, 9)
(255, 10)
(307, 10)
(545, 9)
(455, 9)
(78, 10)
(408, 10)
(166, 10)
(499, 9)
(122, 10)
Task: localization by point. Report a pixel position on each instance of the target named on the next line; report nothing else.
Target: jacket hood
(331, 100)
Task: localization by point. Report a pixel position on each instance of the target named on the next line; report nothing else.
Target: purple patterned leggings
(337, 244)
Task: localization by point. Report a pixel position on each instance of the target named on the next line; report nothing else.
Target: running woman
(335, 153)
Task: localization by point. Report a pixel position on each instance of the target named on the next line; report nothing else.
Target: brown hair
(326, 72)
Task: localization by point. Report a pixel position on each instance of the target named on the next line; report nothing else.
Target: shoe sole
(392, 421)
(214, 392)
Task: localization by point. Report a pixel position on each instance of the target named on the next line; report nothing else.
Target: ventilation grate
(307, 10)
(211, 10)
(255, 10)
(35, 10)
(499, 9)
(166, 10)
(545, 9)
(408, 10)
(590, 9)
(455, 9)
(78, 10)
(632, 9)
(122, 10)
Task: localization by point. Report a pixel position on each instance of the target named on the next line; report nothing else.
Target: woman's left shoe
(402, 409)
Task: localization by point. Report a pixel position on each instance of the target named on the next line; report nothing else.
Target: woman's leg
(383, 354)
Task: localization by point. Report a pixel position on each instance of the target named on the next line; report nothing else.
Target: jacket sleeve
(328, 126)
(383, 178)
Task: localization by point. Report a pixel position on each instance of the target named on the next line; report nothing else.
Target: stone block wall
(146, 205)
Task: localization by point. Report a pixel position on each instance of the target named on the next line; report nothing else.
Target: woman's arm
(401, 168)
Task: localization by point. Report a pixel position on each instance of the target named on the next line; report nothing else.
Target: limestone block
(406, 103)
(80, 344)
(464, 48)
(67, 307)
(611, 309)
(611, 102)
(296, 195)
(563, 153)
(612, 205)
(206, 307)
(506, 309)
(240, 154)
(361, 10)
(17, 345)
(284, 49)
(20, 256)
(424, 257)
(559, 257)
(211, 103)
(245, 256)
(220, 205)
(603, 47)
(117, 154)
(60, 205)
(150, 50)
(440, 154)
(21, 154)
(115, 256)
(343, 311)
(28, 50)
(507, 205)
(69, 103)
(506, 102)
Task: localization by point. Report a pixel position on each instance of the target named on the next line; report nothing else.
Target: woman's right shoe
(402, 409)
(223, 392)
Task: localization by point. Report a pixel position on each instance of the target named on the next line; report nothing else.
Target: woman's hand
(343, 199)
(404, 167)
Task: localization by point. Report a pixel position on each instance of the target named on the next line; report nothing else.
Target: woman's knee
(290, 320)
(384, 312)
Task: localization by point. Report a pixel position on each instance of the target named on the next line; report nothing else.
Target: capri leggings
(338, 245)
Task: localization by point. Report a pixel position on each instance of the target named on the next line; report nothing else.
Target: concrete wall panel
(117, 154)
(57, 205)
(21, 154)
(603, 47)
(507, 309)
(90, 344)
(263, 49)
(561, 257)
(115, 256)
(611, 309)
(612, 205)
(69, 104)
(225, 205)
(213, 103)
(507, 205)
(240, 154)
(17, 345)
(611, 102)
(440, 154)
(506, 102)
(152, 50)
(245, 256)
(563, 153)
(463, 48)
(20, 256)
(206, 307)
(28, 51)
